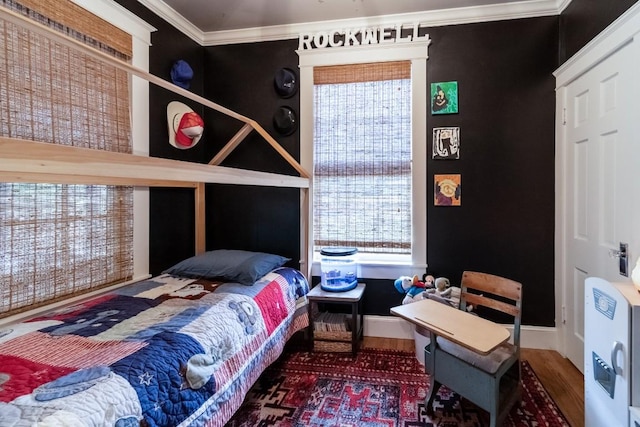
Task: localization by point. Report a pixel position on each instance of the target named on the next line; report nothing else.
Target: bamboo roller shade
(62, 240)
(73, 16)
(357, 73)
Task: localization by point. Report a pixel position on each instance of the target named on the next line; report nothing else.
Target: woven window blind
(362, 157)
(62, 240)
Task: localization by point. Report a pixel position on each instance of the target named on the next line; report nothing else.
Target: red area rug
(378, 388)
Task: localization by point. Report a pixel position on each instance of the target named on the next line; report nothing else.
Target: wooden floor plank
(563, 381)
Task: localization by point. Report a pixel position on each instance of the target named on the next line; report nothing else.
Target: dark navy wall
(507, 105)
(172, 211)
(506, 222)
(582, 20)
(505, 225)
(241, 77)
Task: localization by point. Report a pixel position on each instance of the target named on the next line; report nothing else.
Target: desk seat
(489, 363)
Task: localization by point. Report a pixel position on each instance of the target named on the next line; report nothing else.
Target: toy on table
(439, 289)
(412, 288)
(442, 288)
(445, 293)
(429, 281)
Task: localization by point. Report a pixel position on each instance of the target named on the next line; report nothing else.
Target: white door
(600, 182)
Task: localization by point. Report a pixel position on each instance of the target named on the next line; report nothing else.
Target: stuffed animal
(429, 281)
(442, 288)
(445, 293)
(411, 287)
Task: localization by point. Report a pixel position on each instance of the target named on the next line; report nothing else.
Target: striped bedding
(168, 351)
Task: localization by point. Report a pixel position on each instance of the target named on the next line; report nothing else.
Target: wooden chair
(490, 381)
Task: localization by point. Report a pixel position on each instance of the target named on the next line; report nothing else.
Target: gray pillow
(232, 265)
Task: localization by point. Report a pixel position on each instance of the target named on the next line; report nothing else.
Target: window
(362, 157)
(61, 240)
(363, 134)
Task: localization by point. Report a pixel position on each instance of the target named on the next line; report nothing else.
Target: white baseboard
(395, 327)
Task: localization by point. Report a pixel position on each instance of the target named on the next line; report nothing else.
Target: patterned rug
(377, 388)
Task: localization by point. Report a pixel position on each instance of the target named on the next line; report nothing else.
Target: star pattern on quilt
(39, 374)
(145, 379)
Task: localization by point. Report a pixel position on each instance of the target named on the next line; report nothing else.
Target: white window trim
(417, 53)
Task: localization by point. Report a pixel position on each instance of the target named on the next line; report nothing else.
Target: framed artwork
(448, 189)
(444, 98)
(446, 143)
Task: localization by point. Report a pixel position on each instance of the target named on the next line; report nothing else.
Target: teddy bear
(445, 293)
(442, 287)
(412, 288)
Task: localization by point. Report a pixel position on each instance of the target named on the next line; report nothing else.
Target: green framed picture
(444, 98)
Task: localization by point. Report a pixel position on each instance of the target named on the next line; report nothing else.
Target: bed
(167, 351)
(178, 349)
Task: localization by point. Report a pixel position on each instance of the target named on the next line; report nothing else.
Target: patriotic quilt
(168, 351)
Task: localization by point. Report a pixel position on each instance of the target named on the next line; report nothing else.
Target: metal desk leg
(354, 328)
(310, 311)
(361, 327)
(433, 384)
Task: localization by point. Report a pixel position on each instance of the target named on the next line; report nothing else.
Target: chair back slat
(504, 295)
(496, 285)
(476, 300)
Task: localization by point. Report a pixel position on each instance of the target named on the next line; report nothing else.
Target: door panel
(597, 181)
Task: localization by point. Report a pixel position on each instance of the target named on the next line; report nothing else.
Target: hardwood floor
(563, 381)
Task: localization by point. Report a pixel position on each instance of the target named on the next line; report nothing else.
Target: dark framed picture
(446, 143)
(444, 98)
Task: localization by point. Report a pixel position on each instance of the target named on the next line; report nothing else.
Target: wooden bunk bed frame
(37, 162)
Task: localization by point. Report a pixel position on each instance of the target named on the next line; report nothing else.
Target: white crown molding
(454, 16)
(562, 5)
(170, 15)
(435, 18)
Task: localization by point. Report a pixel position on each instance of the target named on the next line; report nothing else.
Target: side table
(337, 340)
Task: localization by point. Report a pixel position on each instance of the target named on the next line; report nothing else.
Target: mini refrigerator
(611, 360)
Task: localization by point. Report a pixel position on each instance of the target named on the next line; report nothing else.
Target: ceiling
(229, 21)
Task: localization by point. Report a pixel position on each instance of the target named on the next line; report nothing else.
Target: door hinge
(564, 116)
(564, 315)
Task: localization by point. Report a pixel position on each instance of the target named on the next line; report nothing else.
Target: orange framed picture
(447, 190)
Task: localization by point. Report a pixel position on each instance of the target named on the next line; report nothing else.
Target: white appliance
(611, 366)
(634, 416)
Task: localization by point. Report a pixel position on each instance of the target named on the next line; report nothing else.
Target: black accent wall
(172, 210)
(241, 77)
(505, 225)
(507, 105)
(582, 20)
